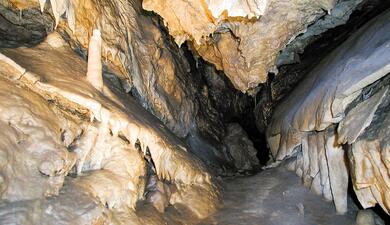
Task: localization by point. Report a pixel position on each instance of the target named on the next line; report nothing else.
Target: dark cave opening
(222, 103)
(230, 110)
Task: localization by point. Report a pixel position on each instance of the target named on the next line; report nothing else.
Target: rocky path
(276, 197)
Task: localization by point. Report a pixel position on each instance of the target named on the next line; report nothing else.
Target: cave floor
(276, 197)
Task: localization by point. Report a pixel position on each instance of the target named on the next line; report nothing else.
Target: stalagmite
(107, 166)
(163, 132)
(94, 71)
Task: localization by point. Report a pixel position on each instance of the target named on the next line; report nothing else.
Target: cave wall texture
(123, 111)
(330, 123)
(104, 136)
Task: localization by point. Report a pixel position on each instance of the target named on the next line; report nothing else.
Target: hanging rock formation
(242, 41)
(111, 114)
(330, 123)
(69, 127)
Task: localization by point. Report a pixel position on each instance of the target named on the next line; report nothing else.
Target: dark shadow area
(232, 105)
(23, 28)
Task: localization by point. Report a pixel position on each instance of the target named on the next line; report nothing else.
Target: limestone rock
(359, 118)
(365, 217)
(34, 161)
(239, 148)
(99, 135)
(244, 45)
(335, 92)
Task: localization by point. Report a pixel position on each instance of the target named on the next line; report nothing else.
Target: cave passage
(184, 112)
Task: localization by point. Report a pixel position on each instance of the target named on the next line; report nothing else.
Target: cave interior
(152, 112)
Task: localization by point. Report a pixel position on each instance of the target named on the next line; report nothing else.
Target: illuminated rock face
(95, 71)
(243, 41)
(55, 123)
(149, 65)
(76, 146)
(341, 103)
(197, 19)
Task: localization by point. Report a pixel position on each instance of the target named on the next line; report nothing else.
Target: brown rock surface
(244, 45)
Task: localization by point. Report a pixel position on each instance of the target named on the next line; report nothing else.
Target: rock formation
(130, 111)
(332, 118)
(242, 41)
(95, 71)
(69, 127)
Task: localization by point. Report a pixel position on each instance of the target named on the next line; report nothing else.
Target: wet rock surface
(110, 114)
(275, 196)
(303, 126)
(98, 131)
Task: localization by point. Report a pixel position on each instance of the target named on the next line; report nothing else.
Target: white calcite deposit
(334, 123)
(54, 123)
(95, 71)
(77, 148)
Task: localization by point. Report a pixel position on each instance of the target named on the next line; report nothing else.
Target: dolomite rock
(338, 15)
(22, 23)
(359, 118)
(332, 93)
(244, 45)
(103, 129)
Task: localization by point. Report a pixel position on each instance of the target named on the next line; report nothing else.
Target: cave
(152, 112)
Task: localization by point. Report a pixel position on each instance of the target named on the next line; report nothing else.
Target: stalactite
(107, 165)
(327, 97)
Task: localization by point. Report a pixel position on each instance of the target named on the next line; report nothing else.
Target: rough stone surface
(22, 23)
(77, 148)
(245, 49)
(149, 65)
(240, 149)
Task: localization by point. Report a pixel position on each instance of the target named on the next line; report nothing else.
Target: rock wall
(329, 125)
(149, 65)
(55, 122)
